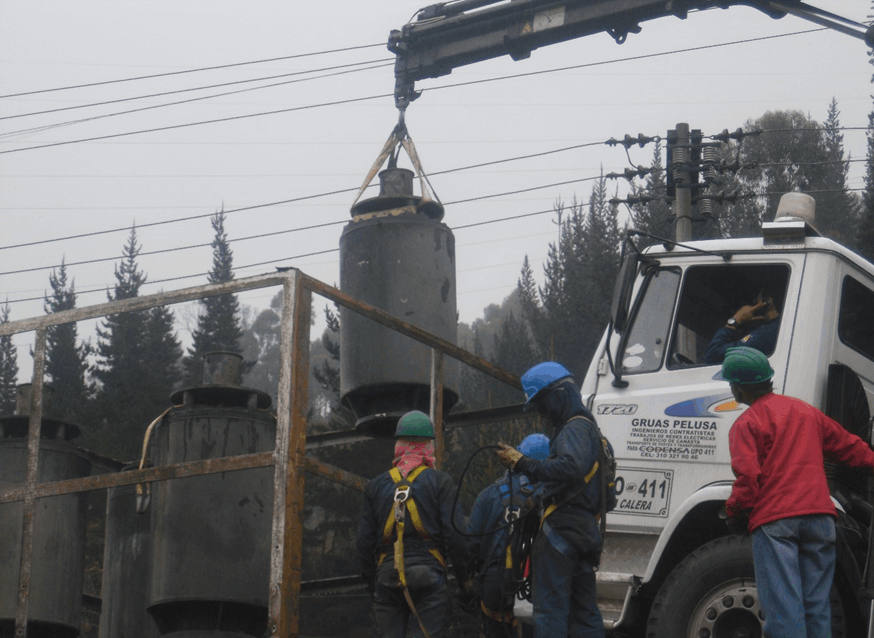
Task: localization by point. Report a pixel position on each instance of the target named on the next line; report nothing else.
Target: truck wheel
(712, 594)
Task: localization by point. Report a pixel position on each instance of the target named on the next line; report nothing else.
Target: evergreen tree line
(564, 317)
(116, 385)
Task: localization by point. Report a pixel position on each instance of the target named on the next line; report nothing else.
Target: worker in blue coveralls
(567, 549)
(754, 326)
(495, 507)
(406, 536)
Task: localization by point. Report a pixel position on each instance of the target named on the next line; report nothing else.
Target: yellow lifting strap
(554, 506)
(395, 521)
(399, 138)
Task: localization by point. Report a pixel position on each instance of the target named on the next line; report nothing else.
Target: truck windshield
(711, 295)
(648, 334)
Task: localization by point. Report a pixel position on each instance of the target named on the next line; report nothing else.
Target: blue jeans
(563, 592)
(795, 564)
(427, 585)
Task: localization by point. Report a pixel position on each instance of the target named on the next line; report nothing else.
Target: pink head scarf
(411, 453)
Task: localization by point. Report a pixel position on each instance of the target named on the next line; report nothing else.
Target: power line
(201, 123)
(293, 200)
(196, 99)
(208, 68)
(268, 262)
(195, 88)
(333, 250)
(459, 84)
(281, 232)
(327, 224)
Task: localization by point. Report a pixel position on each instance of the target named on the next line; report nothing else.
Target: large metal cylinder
(396, 255)
(211, 534)
(126, 564)
(55, 601)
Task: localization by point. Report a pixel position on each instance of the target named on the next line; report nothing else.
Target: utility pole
(683, 191)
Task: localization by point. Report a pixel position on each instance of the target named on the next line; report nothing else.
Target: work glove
(507, 455)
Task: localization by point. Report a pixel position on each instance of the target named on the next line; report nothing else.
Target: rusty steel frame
(289, 456)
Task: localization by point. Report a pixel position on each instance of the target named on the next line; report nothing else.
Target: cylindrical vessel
(210, 534)
(55, 602)
(395, 255)
(126, 561)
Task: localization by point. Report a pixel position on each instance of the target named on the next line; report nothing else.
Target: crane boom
(453, 34)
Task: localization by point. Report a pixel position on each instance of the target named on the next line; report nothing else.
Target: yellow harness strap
(395, 522)
(554, 506)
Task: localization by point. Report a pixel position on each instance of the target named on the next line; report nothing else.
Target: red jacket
(777, 449)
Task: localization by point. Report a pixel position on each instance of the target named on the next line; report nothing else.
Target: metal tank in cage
(126, 564)
(210, 535)
(396, 255)
(55, 586)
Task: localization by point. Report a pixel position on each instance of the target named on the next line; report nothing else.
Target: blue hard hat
(535, 446)
(541, 377)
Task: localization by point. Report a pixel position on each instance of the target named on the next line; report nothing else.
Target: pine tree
(532, 312)
(123, 366)
(787, 156)
(260, 344)
(836, 211)
(578, 281)
(514, 353)
(864, 243)
(8, 368)
(66, 359)
(218, 326)
(653, 217)
(165, 357)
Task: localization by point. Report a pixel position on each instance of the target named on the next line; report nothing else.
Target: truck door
(670, 423)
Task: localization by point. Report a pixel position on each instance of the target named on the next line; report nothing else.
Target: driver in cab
(754, 326)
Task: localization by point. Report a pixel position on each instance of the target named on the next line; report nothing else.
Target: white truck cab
(669, 561)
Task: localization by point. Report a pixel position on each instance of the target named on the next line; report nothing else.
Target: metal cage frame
(288, 457)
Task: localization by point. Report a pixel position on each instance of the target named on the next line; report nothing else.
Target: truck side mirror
(622, 288)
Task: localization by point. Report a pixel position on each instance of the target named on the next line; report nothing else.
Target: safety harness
(605, 460)
(394, 525)
(511, 513)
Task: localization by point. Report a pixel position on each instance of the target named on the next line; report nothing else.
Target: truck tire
(712, 594)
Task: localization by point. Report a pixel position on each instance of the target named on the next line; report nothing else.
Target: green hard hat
(415, 423)
(746, 365)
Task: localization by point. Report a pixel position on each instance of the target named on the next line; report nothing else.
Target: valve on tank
(55, 600)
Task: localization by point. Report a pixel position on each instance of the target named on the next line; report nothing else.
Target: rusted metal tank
(396, 255)
(211, 534)
(126, 564)
(55, 601)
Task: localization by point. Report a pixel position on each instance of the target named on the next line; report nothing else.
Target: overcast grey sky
(66, 188)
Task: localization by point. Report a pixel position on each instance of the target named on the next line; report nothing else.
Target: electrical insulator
(705, 207)
(679, 160)
(709, 158)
